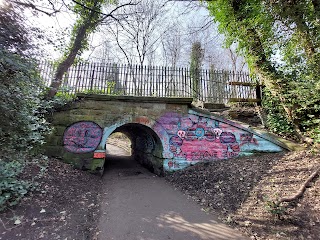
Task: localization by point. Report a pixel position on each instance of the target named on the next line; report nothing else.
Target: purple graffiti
(176, 141)
(185, 123)
(247, 138)
(82, 137)
(227, 137)
(196, 138)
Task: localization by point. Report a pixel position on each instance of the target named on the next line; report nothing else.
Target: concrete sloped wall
(196, 137)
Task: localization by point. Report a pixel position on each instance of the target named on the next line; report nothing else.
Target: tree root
(301, 190)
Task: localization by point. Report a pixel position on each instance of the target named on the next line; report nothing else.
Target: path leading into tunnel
(138, 205)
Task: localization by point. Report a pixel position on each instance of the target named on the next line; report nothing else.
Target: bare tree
(172, 45)
(138, 35)
(238, 62)
(161, 32)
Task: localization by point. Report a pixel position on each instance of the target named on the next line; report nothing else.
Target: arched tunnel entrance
(142, 146)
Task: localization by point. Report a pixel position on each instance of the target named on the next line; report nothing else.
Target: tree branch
(301, 190)
(34, 7)
(106, 15)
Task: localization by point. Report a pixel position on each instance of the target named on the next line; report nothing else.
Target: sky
(58, 28)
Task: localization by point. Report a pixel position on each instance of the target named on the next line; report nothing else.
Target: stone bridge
(166, 134)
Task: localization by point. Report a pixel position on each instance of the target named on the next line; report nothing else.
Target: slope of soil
(64, 206)
(240, 190)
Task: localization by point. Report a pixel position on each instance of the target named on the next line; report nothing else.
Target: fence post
(92, 76)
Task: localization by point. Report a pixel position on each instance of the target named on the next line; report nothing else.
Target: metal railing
(214, 86)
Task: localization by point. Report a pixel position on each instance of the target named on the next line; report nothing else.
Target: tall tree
(89, 16)
(279, 40)
(197, 54)
(172, 46)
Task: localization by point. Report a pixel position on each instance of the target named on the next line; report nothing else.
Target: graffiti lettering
(227, 137)
(247, 138)
(192, 138)
(196, 138)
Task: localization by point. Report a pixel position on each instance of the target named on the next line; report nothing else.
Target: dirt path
(136, 204)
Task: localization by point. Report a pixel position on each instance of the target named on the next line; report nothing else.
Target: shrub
(12, 189)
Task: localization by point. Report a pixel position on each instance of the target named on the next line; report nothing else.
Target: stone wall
(81, 129)
(166, 134)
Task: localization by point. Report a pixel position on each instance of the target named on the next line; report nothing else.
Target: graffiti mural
(82, 137)
(198, 141)
(196, 138)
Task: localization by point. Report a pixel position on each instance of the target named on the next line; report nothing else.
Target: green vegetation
(274, 208)
(110, 89)
(280, 40)
(22, 122)
(12, 188)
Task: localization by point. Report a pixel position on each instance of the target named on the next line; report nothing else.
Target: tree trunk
(316, 6)
(76, 46)
(267, 73)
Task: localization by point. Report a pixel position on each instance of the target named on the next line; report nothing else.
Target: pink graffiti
(185, 123)
(208, 150)
(82, 137)
(202, 142)
(197, 138)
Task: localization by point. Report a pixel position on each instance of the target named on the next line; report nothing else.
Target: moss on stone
(96, 164)
(54, 151)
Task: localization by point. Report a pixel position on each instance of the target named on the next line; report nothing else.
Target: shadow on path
(138, 205)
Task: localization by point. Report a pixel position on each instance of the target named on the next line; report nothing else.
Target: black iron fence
(213, 86)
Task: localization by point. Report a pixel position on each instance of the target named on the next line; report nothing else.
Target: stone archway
(146, 146)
